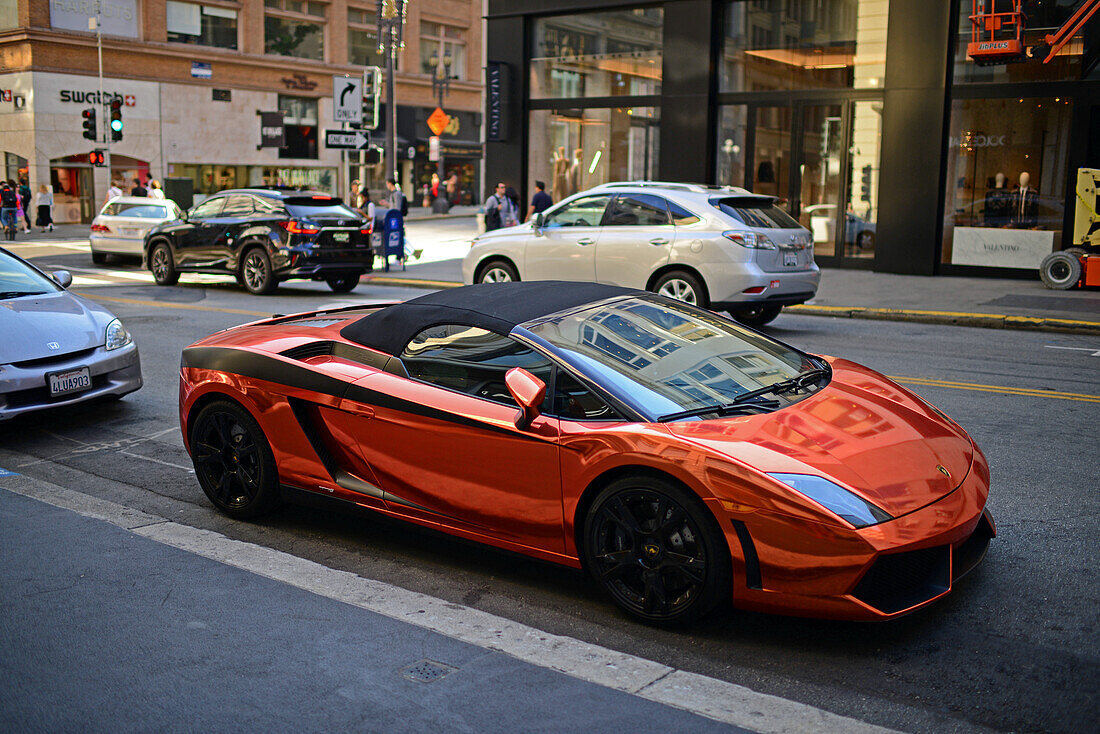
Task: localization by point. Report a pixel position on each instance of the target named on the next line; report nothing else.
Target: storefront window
(291, 29)
(1043, 18)
(575, 149)
(209, 179)
(1006, 176)
(205, 25)
(732, 121)
(439, 41)
(611, 54)
(791, 44)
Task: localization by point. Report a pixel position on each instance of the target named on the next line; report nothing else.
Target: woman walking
(44, 202)
(155, 192)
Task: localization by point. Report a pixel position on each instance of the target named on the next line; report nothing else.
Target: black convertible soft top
(495, 307)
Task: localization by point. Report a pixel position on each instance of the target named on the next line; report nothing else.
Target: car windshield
(19, 279)
(754, 211)
(664, 357)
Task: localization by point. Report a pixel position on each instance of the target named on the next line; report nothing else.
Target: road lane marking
(697, 694)
(1022, 391)
(1094, 350)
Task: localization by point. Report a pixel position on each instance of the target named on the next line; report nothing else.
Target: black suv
(264, 236)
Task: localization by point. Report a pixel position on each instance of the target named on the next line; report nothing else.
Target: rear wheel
(343, 285)
(163, 266)
(233, 461)
(99, 258)
(1060, 270)
(683, 286)
(257, 272)
(498, 271)
(757, 314)
(656, 550)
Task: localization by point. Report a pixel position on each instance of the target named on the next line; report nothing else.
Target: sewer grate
(427, 671)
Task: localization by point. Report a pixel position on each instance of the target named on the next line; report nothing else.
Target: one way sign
(347, 98)
(346, 139)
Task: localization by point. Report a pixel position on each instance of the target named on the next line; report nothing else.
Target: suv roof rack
(675, 186)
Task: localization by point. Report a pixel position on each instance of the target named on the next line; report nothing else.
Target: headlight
(856, 510)
(117, 336)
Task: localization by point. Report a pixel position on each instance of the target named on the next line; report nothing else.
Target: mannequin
(998, 203)
(559, 188)
(576, 171)
(1024, 204)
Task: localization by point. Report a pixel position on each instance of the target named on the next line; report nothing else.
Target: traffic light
(372, 92)
(97, 158)
(373, 156)
(865, 187)
(116, 119)
(89, 123)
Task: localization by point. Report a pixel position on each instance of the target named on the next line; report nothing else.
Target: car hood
(863, 431)
(31, 323)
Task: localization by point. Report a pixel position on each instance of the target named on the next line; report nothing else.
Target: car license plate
(339, 236)
(790, 259)
(62, 383)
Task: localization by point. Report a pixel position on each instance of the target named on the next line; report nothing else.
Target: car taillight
(295, 227)
(100, 228)
(750, 239)
(367, 228)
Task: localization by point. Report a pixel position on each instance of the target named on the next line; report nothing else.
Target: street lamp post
(391, 39)
(441, 82)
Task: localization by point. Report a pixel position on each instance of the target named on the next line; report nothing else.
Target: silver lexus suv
(721, 248)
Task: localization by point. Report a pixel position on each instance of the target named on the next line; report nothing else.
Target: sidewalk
(985, 302)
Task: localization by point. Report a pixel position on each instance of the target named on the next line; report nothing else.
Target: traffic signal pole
(102, 105)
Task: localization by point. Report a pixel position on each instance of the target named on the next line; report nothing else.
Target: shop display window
(612, 54)
(205, 25)
(300, 127)
(1006, 176)
(575, 149)
(789, 44)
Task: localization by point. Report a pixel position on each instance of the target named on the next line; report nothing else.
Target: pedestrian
(494, 208)
(44, 202)
(452, 189)
(364, 205)
(155, 191)
(138, 189)
(20, 212)
(25, 201)
(511, 215)
(353, 197)
(435, 186)
(113, 191)
(396, 198)
(540, 202)
(9, 201)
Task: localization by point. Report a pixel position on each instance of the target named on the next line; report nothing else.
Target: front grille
(305, 351)
(54, 359)
(41, 395)
(902, 580)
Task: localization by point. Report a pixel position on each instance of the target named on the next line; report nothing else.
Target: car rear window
(755, 212)
(143, 211)
(308, 207)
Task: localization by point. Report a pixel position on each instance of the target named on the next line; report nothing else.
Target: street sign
(433, 148)
(347, 98)
(437, 121)
(272, 131)
(346, 139)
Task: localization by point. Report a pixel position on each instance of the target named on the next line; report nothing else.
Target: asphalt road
(1014, 648)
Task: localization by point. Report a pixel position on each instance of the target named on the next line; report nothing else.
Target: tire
(233, 461)
(664, 573)
(497, 271)
(257, 273)
(865, 240)
(757, 314)
(343, 285)
(682, 286)
(1060, 270)
(99, 258)
(163, 266)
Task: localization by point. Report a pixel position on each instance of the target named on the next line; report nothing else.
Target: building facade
(865, 117)
(194, 76)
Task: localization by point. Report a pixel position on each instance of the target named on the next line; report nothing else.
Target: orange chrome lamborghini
(682, 459)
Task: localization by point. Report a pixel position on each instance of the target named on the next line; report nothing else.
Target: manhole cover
(427, 671)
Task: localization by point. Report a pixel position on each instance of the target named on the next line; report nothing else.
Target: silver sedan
(122, 223)
(57, 348)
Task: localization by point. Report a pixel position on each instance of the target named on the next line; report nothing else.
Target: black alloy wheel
(233, 462)
(345, 284)
(757, 314)
(656, 550)
(163, 266)
(257, 273)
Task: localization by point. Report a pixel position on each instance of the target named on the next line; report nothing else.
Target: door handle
(363, 411)
(586, 241)
(659, 241)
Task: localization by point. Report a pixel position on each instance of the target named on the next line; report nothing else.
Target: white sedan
(120, 227)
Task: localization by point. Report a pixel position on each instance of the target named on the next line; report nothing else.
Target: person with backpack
(500, 211)
(9, 209)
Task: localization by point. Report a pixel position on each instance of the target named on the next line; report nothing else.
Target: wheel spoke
(619, 562)
(693, 569)
(205, 453)
(622, 516)
(654, 597)
(247, 480)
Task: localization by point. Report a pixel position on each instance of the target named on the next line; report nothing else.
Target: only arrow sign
(343, 95)
(347, 99)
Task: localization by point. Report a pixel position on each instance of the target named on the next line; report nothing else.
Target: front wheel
(163, 266)
(233, 461)
(343, 285)
(498, 271)
(682, 286)
(256, 272)
(757, 314)
(656, 550)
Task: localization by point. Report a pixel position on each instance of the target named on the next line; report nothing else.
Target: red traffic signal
(89, 123)
(97, 158)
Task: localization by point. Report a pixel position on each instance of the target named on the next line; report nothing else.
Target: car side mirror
(538, 221)
(529, 391)
(62, 277)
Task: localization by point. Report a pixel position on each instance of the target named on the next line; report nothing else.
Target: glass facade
(204, 25)
(437, 43)
(612, 54)
(293, 37)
